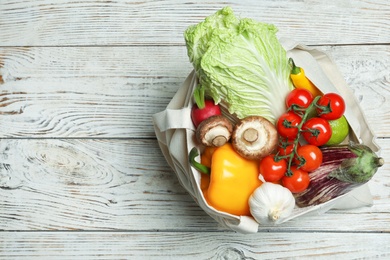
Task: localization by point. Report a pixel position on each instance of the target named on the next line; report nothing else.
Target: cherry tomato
(309, 157)
(286, 147)
(298, 181)
(316, 131)
(333, 106)
(300, 97)
(271, 169)
(200, 114)
(287, 125)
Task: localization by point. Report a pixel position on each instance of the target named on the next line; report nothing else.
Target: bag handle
(168, 119)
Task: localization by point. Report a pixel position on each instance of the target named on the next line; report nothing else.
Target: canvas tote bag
(175, 133)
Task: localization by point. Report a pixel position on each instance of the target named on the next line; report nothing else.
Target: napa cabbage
(240, 63)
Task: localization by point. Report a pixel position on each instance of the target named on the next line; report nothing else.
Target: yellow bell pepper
(232, 181)
(300, 80)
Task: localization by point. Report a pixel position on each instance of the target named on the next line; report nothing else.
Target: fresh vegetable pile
(269, 139)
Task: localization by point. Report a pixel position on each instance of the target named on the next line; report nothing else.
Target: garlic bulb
(271, 202)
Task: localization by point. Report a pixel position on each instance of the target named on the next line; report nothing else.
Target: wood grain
(81, 173)
(48, 23)
(83, 107)
(113, 92)
(109, 184)
(201, 245)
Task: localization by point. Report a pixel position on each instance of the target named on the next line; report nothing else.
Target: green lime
(340, 130)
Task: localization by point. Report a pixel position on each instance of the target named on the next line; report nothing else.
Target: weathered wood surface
(95, 22)
(110, 184)
(193, 245)
(59, 98)
(81, 174)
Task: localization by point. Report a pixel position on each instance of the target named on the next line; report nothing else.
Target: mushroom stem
(219, 140)
(214, 131)
(250, 135)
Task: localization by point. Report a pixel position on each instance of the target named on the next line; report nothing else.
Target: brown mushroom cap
(214, 131)
(254, 137)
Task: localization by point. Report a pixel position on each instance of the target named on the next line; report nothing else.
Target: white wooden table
(81, 174)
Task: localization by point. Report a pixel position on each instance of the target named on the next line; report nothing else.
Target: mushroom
(214, 131)
(254, 137)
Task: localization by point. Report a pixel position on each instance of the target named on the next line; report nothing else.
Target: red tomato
(309, 157)
(272, 170)
(332, 106)
(300, 97)
(200, 114)
(298, 181)
(287, 125)
(316, 131)
(286, 147)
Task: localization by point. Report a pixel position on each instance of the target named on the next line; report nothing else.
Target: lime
(340, 130)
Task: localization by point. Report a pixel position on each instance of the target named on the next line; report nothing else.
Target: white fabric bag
(175, 135)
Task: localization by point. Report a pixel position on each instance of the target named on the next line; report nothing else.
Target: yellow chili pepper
(300, 80)
(232, 181)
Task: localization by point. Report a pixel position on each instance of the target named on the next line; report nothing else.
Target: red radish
(200, 114)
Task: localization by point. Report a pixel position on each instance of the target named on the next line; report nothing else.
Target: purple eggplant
(343, 168)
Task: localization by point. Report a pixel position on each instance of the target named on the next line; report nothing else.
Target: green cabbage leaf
(240, 63)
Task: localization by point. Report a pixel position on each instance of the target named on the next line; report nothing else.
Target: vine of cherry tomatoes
(306, 117)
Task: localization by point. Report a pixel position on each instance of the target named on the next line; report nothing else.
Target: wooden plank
(113, 92)
(57, 91)
(201, 245)
(84, 107)
(45, 23)
(110, 184)
(18, 63)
